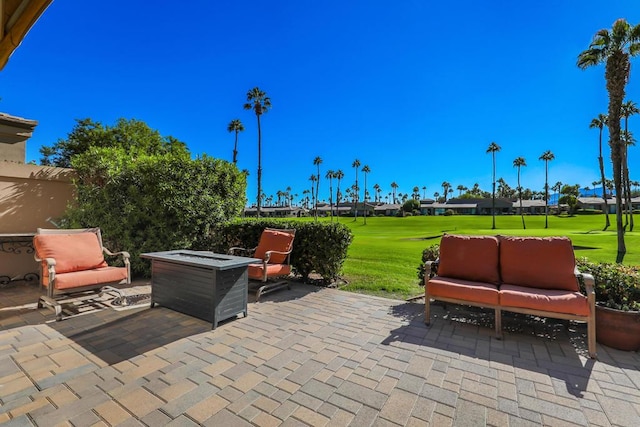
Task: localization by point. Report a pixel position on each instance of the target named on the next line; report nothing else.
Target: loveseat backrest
(538, 262)
(473, 258)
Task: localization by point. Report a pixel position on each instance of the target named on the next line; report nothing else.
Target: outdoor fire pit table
(202, 284)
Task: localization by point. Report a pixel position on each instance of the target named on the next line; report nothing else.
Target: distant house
(532, 207)
(275, 211)
(598, 203)
(387, 209)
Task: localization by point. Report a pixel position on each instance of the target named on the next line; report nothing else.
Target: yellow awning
(18, 16)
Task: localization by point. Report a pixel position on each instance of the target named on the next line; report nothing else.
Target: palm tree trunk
(493, 194)
(546, 194)
(604, 190)
(235, 150)
(259, 165)
(616, 73)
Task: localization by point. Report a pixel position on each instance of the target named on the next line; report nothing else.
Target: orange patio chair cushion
(72, 252)
(274, 240)
(538, 262)
(93, 277)
(473, 258)
(466, 290)
(256, 271)
(553, 300)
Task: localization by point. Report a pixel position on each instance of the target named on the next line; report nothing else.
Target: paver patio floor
(306, 356)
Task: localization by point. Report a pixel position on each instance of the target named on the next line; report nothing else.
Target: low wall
(30, 197)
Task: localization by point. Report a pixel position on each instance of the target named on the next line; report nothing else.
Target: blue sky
(415, 89)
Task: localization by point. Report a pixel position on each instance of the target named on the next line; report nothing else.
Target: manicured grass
(385, 254)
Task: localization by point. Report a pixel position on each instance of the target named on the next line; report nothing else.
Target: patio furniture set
(535, 276)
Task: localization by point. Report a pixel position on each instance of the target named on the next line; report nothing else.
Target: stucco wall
(30, 196)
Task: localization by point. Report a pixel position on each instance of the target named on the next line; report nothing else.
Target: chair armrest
(589, 283)
(233, 250)
(431, 269)
(267, 254)
(124, 254)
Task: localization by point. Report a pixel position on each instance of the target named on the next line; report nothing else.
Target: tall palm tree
(365, 171)
(329, 175)
(424, 191)
(338, 176)
(376, 189)
(445, 187)
(317, 161)
(614, 48)
(236, 126)
(518, 163)
(356, 165)
(547, 156)
(260, 103)
(493, 149)
(600, 122)
(629, 108)
(394, 187)
(314, 196)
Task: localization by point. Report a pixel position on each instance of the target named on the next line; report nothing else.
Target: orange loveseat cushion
(256, 271)
(72, 252)
(96, 276)
(538, 262)
(553, 300)
(473, 258)
(482, 293)
(274, 240)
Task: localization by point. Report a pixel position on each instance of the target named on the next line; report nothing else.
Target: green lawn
(385, 253)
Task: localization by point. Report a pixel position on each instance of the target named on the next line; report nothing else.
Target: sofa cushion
(72, 252)
(538, 262)
(473, 258)
(91, 277)
(478, 292)
(553, 300)
(274, 240)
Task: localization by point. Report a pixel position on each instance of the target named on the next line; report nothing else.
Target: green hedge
(429, 254)
(318, 247)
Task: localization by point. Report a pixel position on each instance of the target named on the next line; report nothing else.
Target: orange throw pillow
(538, 262)
(472, 258)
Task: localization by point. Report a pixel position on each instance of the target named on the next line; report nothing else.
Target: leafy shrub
(449, 212)
(153, 203)
(589, 212)
(429, 254)
(318, 247)
(617, 286)
(411, 205)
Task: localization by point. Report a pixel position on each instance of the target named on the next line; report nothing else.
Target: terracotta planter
(618, 329)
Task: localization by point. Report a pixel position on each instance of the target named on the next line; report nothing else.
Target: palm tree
(493, 149)
(445, 187)
(356, 165)
(424, 191)
(329, 175)
(394, 187)
(547, 156)
(365, 171)
(236, 126)
(338, 176)
(260, 103)
(317, 161)
(629, 108)
(314, 196)
(600, 122)
(376, 188)
(436, 195)
(518, 163)
(614, 48)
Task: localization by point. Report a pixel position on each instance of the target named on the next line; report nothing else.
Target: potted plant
(617, 290)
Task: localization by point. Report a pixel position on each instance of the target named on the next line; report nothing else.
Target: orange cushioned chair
(274, 248)
(73, 261)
